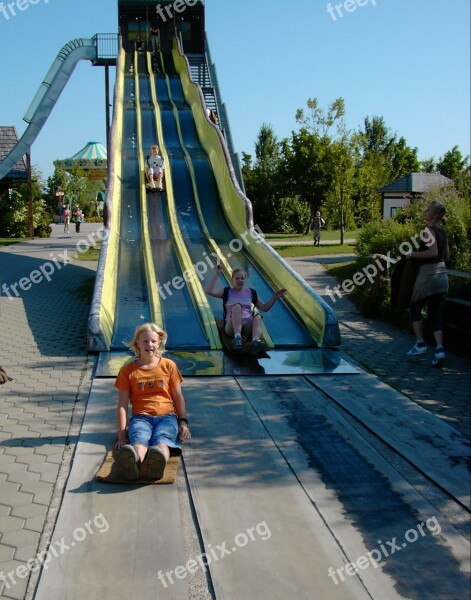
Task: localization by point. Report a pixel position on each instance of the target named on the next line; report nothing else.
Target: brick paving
(43, 348)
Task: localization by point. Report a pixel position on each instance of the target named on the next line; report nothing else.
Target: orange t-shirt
(150, 390)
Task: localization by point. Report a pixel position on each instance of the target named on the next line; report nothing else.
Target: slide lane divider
(154, 300)
(193, 282)
(210, 240)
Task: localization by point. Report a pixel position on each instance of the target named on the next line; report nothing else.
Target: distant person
(152, 384)
(212, 116)
(99, 207)
(78, 218)
(239, 304)
(318, 224)
(66, 217)
(431, 283)
(154, 35)
(154, 166)
(139, 44)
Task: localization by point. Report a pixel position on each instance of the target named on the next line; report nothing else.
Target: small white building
(400, 192)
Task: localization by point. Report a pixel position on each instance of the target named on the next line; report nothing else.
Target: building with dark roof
(399, 193)
(9, 139)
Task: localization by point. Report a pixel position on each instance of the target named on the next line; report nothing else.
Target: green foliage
(14, 211)
(458, 226)
(452, 163)
(381, 237)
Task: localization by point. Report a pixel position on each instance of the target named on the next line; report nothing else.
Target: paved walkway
(381, 348)
(276, 243)
(44, 350)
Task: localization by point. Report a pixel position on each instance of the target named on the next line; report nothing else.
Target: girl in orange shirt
(153, 386)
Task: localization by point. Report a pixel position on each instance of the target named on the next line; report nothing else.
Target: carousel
(91, 159)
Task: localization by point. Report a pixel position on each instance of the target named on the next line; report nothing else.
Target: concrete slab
(249, 503)
(437, 449)
(362, 499)
(110, 541)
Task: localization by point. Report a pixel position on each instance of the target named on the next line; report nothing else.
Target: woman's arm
(179, 402)
(265, 306)
(210, 287)
(430, 252)
(122, 416)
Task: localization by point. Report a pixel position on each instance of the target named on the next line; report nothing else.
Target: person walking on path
(66, 218)
(78, 218)
(431, 284)
(317, 224)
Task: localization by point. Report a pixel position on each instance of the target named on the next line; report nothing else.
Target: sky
(405, 60)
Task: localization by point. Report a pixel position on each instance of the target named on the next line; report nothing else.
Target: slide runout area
(285, 329)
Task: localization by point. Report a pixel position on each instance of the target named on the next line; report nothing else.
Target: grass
(10, 241)
(299, 251)
(342, 271)
(301, 237)
(93, 253)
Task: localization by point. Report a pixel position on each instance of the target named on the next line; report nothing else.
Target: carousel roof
(91, 159)
(91, 151)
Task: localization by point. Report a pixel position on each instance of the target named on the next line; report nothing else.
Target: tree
(339, 200)
(452, 163)
(382, 158)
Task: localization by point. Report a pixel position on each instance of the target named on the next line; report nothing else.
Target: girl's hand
(280, 293)
(184, 431)
(219, 267)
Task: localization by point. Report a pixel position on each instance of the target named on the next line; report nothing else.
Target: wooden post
(30, 196)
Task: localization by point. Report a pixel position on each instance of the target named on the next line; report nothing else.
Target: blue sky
(405, 60)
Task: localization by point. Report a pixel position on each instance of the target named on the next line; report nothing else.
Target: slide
(47, 96)
(161, 249)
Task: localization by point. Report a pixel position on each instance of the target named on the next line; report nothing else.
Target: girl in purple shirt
(240, 316)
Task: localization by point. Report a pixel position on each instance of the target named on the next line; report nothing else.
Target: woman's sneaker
(128, 462)
(439, 358)
(417, 350)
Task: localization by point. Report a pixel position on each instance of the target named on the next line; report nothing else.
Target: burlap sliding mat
(109, 472)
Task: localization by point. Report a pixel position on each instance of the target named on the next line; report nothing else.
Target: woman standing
(431, 284)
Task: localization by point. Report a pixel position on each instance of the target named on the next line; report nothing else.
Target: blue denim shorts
(151, 431)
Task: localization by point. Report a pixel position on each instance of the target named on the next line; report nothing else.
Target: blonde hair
(148, 327)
